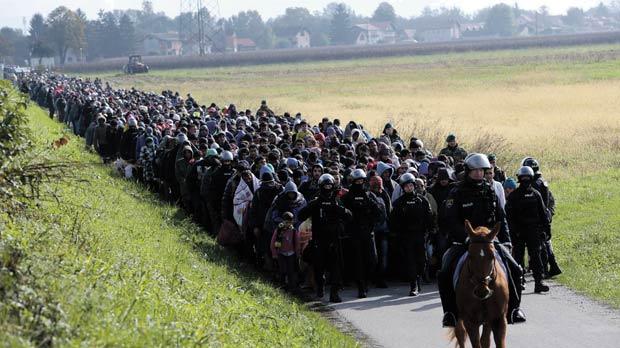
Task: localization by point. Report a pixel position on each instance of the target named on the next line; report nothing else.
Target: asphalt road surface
(560, 318)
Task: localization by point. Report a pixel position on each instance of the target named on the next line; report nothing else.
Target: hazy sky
(12, 12)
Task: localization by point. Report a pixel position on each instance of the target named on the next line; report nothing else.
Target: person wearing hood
(148, 133)
(128, 141)
(385, 171)
(264, 196)
(411, 220)
(146, 160)
(363, 205)
(391, 133)
(100, 140)
(181, 169)
(215, 189)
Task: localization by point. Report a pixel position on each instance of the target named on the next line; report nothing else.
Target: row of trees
(116, 33)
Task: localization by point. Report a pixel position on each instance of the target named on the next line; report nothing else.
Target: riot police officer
(527, 217)
(473, 199)
(411, 219)
(328, 220)
(549, 264)
(365, 210)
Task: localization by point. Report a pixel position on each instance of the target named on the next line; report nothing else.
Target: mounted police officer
(328, 221)
(473, 199)
(365, 210)
(550, 266)
(411, 219)
(528, 221)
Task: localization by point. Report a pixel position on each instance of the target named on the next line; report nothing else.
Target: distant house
(163, 44)
(437, 30)
(239, 44)
(301, 39)
(374, 33)
(407, 35)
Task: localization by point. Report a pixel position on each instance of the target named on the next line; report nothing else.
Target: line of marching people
(321, 205)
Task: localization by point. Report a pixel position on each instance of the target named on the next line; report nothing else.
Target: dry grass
(564, 112)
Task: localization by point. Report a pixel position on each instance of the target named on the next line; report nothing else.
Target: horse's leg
(460, 333)
(499, 332)
(473, 330)
(485, 339)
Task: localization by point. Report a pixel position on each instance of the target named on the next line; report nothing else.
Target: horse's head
(481, 259)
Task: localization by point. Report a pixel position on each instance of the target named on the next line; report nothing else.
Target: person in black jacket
(411, 219)
(473, 199)
(215, 191)
(328, 220)
(528, 221)
(257, 238)
(365, 210)
(128, 141)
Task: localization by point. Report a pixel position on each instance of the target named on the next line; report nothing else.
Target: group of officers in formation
(321, 205)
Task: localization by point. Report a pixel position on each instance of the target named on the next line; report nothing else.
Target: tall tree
(574, 16)
(66, 31)
(384, 13)
(340, 25)
(111, 39)
(127, 35)
(38, 31)
(500, 20)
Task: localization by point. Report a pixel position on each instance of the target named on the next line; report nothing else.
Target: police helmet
(407, 178)
(477, 161)
(358, 174)
(532, 163)
(525, 171)
(326, 179)
(227, 156)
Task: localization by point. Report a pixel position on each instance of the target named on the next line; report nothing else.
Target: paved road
(559, 319)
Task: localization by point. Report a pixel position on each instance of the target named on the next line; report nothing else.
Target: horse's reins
(487, 280)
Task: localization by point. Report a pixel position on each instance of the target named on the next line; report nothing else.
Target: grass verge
(127, 270)
(586, 236)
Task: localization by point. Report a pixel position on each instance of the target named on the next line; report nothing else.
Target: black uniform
(365, 210)
(215, 192)
(528, 220)
(411, 219)
(328, 220)
(547, 256)
(476, 202)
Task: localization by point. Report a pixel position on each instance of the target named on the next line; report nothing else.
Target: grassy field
(558, 104)
(586, 236)
(128, 270)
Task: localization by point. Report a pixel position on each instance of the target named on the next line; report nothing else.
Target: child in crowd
(285, 247)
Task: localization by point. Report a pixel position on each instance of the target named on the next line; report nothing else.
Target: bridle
(486, 280)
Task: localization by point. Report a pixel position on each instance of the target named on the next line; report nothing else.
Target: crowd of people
(319, 205)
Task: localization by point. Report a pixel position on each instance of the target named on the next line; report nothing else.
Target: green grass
(587, 234)
(131, 271)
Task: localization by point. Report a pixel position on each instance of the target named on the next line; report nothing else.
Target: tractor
(135, 65)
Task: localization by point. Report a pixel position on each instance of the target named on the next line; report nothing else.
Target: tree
(247, 24)
(111, 35)
(66, 31)
(384, 13)
(340, 25)
(601, 10)
(14, 44)
(127, 35)
(574, 16)
(500, 20)
(38, 31)
(267, 39)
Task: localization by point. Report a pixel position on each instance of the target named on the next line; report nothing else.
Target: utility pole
(198, 24)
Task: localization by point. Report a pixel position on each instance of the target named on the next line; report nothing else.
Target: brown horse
(481, 292)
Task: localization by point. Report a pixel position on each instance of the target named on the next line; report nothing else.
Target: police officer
(411, 219)
(550, 265)
(328, 221)
(473, 199)
(527, 217)
(365, 210)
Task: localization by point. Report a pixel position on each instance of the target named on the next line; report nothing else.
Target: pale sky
(12, 12)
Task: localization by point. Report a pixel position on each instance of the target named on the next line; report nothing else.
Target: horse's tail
(458, 333)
